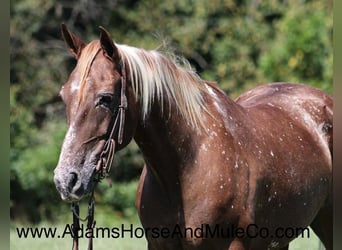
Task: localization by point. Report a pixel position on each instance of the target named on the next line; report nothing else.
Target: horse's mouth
(72, 186)
(72, 195)
(69, 195)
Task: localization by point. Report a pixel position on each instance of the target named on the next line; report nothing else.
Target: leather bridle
(103, 165)
(107, 154)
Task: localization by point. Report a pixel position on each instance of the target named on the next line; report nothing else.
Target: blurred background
(237, 43)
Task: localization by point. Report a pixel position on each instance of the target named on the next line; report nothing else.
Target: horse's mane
(154, 75)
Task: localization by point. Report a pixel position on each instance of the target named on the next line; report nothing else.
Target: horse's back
(283, 92)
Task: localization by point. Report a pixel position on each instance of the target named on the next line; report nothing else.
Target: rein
(102, 168)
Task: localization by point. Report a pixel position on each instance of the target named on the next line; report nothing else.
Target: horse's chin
(72, 197)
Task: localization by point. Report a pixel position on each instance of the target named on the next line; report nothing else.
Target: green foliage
(36, 163)
(239, 44)
(301, 53)
(32, 187)
(127, 163)
(121, 196)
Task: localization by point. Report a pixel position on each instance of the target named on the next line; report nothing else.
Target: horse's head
(97, 96)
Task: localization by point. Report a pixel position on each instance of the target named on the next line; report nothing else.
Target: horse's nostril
(72, 179)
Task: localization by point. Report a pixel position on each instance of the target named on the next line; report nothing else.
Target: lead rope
(75, 224)
(102, 169)
(90, 222)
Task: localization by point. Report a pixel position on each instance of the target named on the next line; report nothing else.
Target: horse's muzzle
(69, 185)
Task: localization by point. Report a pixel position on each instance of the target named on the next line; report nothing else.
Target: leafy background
(238, 43)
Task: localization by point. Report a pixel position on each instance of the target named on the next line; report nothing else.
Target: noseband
(103, 165)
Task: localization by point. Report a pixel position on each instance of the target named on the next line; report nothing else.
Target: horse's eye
(105, 101)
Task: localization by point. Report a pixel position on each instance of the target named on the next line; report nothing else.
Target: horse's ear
(108, 45)
(74, 44)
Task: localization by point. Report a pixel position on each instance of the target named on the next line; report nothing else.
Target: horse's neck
(166, 143)
(170, 145)
(166, 138)
(161, 139)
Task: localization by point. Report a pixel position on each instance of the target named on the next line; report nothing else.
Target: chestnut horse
(219, 173)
